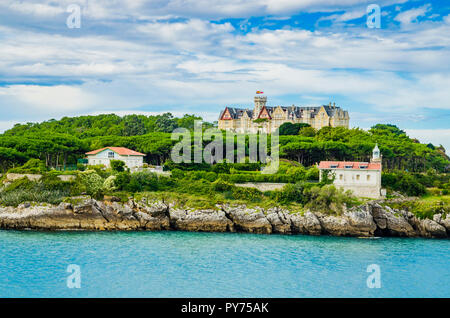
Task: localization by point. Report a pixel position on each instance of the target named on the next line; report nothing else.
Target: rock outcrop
(251, 220)
(200, 220)
(306, 223)
(84, 213)
(391, 223)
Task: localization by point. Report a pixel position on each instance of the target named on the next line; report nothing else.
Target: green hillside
(60, 142)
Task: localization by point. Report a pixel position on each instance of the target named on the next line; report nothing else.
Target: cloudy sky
(198, 56)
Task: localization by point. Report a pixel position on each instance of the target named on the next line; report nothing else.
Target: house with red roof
(362, 178)
(103, 156)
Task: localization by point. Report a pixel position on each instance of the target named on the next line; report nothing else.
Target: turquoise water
(180, 264)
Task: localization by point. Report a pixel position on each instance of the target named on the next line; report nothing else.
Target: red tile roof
(354, 164)
(119, 150)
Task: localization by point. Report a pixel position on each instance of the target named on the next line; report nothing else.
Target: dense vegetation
(62, 142)
(409, 167)
(189, 188)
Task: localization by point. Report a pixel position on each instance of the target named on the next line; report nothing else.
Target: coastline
(372, 219)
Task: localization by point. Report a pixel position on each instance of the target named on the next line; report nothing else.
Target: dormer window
(348, 166)
(363, 167)
(333, 166)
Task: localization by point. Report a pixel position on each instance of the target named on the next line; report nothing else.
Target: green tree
(10, 157)
(166, 123)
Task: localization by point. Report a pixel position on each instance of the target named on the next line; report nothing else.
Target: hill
(59, 142)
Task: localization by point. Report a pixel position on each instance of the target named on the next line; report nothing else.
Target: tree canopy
(61, 142)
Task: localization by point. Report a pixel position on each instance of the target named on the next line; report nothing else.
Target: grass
(426, 207)
(436, 198)
(18, 196)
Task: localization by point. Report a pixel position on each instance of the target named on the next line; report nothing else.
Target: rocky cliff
(371, 219)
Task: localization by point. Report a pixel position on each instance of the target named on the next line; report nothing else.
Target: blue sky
(198, 56)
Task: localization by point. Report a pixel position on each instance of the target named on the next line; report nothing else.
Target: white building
(363, 178)
(132, 159)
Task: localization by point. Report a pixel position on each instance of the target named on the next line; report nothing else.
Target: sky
(198, 56)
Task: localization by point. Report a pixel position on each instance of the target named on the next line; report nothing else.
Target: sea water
(182, 264)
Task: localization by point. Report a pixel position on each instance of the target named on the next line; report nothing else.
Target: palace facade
(263, 118)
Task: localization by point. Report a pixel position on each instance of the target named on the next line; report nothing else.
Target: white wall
(363, 183)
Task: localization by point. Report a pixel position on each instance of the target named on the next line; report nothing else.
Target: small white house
(363, 178)
(132, 159)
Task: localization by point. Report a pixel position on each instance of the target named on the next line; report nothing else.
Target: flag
(259, 92)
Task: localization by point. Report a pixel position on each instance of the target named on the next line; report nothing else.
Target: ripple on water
(182, 264)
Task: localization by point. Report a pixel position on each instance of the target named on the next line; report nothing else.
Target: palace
(268, 118)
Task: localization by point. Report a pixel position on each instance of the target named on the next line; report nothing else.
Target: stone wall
(35, 177)
(16, 176)
(362, 191)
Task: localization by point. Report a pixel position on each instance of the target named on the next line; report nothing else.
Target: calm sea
(180, 264)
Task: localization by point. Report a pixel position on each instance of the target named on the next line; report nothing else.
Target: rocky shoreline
(368, 220)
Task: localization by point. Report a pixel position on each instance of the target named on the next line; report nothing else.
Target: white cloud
(434, 136)
(136, 57)
(38, 9)
(5, 125)
(141, 9)
(410, 16)
(207, 116)
(50, 99)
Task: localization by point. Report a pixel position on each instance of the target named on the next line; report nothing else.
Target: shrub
(312, 173)
(51, 181)
(37, 194)
(328, 199)
(247, 194)
(32, 166)
(170, 165)
(109, 184)
(222, 167)
(122, 180)
(117, 165)
(88, 182)
(222, 186)
(238, 178)
(143, 181)
(166, 183)
(23, 190)
(22, 183)
(210, 176)
(202, 186)
(177, 174)
(286, 195)
(403, 182)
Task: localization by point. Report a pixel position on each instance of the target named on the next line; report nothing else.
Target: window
(348, 166)
(110, 154)
(333, 166)
(363, 167)
(357, 177)
(368, 177)
(341, 177)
